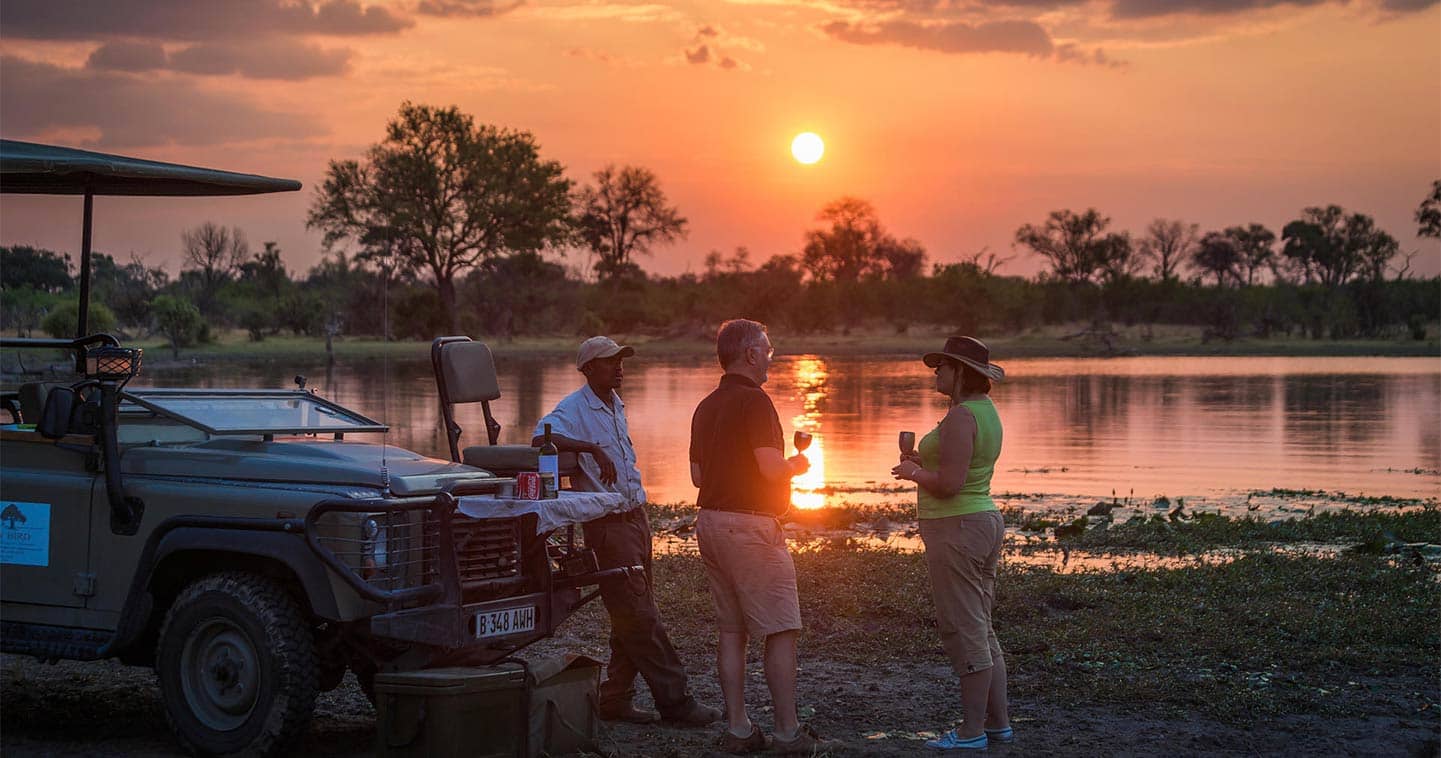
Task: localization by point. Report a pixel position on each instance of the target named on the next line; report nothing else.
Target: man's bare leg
(780, 666)
(731, 670)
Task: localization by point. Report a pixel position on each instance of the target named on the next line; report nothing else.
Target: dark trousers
(638, 640)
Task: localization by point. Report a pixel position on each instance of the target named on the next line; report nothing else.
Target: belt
(743, 511)
(618, 515)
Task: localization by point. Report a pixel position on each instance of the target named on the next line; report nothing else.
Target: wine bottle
(549, 467)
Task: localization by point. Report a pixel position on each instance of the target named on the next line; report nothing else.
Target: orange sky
(959, 119)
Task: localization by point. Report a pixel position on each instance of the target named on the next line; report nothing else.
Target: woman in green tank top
(962, 530)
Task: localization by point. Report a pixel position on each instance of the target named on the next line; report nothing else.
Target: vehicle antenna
(385, 370)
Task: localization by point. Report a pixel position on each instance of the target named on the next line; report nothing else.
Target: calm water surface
(1086, 427)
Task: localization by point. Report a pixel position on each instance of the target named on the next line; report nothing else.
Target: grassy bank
(1060, 341)
(1267, 634)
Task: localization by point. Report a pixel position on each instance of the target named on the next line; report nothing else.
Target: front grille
(406, 552)
(486, 550)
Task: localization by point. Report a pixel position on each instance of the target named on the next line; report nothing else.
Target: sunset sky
(959, 119)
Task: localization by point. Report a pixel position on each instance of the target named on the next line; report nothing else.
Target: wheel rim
(220, 674)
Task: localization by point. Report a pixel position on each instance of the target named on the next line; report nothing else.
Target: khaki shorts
(962, 553)
(752, 578)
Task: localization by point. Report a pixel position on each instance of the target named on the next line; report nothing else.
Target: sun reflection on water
(810, 381)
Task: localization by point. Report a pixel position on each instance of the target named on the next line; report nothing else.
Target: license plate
(505, 621)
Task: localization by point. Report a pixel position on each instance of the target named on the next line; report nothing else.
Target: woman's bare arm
(958, 440)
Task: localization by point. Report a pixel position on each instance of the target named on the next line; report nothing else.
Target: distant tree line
(446, 226)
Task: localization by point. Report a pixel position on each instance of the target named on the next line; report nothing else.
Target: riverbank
(1274, 652)
(1056, 341)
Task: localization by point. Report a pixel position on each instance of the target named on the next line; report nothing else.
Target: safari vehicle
(250, 545)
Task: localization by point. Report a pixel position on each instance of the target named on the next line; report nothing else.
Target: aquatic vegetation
(1205, 531)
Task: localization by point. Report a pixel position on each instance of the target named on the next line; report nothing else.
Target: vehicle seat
(32, 399)
(465, 373)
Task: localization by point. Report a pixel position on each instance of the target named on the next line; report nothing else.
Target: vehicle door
(45, 502)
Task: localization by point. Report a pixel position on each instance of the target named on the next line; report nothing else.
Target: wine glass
(907, 442)
(802, 440)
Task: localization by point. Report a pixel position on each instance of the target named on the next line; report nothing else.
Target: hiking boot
(752, 743)
(628, 713)
(693, 714)
(806, 742)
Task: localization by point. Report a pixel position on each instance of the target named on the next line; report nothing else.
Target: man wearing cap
(592, 420)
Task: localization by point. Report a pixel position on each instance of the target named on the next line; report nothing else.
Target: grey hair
(734, 337)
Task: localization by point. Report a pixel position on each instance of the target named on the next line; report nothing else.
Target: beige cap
(600, 347)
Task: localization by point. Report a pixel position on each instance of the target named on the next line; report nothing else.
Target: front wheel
(237, 666)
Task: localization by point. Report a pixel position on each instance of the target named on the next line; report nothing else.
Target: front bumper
(436, 615)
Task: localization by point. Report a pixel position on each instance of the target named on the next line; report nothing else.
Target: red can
(527, 485)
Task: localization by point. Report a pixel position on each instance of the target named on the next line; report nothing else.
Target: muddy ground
(1281, 652)
(106, 709)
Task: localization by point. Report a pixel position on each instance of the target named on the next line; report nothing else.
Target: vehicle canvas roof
(30, 168)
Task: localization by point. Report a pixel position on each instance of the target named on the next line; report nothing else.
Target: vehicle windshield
(248, 411)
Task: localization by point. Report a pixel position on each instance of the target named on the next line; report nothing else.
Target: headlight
(375, 548)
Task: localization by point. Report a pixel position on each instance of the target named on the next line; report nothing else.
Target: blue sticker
(24, 533)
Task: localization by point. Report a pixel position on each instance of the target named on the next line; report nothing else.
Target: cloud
(609, 59)
(1026, 37)
(709, 47)
(38, 99)
(1138, 9)
(466, 7)
(1072, 53)
(1407, 6)
(188, 20)
(700, 55)
(644, 13)
(127, 56)
(264, 60)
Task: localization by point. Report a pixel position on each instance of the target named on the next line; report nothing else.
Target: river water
(1088, 428)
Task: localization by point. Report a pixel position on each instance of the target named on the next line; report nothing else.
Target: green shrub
(61, 323)
(179, 321)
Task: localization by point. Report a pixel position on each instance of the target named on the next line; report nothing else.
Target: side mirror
(55, 418)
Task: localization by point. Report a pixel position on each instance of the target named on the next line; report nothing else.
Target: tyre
(237, 666)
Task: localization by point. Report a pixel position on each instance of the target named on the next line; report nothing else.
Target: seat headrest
(468, 369)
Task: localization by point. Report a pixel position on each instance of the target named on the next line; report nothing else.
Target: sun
(807, 147)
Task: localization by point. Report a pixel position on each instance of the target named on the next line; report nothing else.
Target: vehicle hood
(301, 461)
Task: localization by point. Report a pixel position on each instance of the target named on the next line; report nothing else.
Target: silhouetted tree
(127, 289)
(1254, 247)
(441, 194)
(40, 270)
(214, 253)
(1428, 214)
(1216, 254)
(1168, 245)
(1076, 244)
(1118, 258)
(1331, 247)
(624, 214)
(855, 245)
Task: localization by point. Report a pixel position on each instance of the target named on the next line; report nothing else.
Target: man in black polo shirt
(737, 460)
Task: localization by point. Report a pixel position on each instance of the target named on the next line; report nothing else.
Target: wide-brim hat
(969, 351)
(600, 347)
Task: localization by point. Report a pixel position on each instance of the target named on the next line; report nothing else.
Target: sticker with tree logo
(24, 533)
